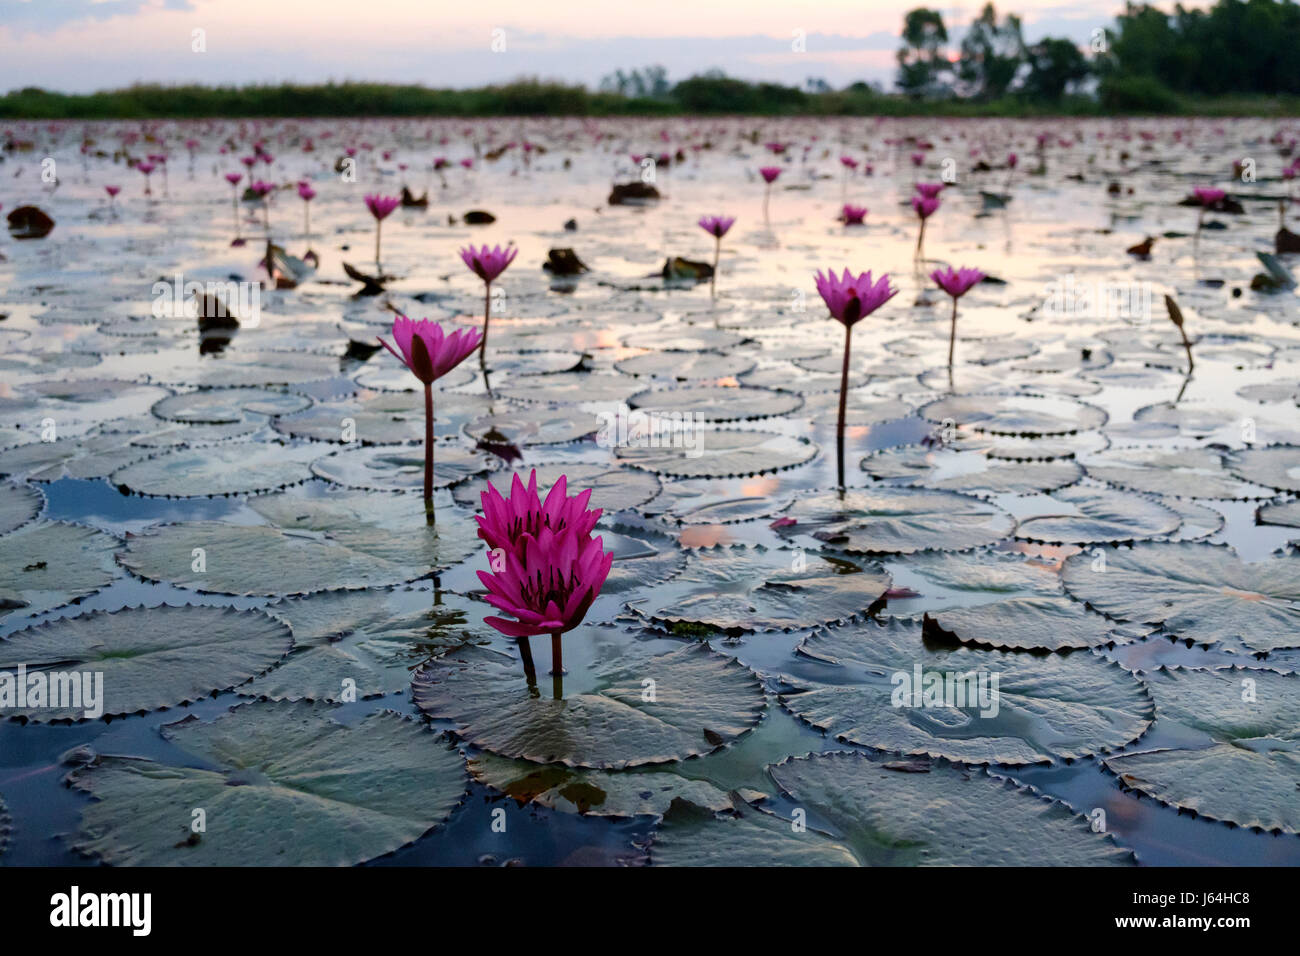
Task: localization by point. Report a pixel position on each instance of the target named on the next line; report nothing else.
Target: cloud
(47, 16)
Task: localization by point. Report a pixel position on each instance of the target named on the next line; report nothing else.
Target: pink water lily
(925, 207)
(306, 194)
(852, 215)
(380, 207)
(545, 567)
(928, 190)
(717, 227)
(430, 353)
(769, 174)
(1208, 196)
(849, 298)
(487, 263)
(956, 282)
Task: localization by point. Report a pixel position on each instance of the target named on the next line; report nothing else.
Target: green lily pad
(1201, 592)
(762, 590)
(1277, 466)
(1246, 769)
(606, 715)
(343, 541)
(597, 793)
(149, 658)
(243, 468)
(1047, 623)
(19, 504)
(281, 784)
(722, 454)
(899, 520)
(881, 816)
(218, 406)
(717, 403)
(1186, 473)
(48, 563)
(1090, 515)
(360, 644)
(1044, 708)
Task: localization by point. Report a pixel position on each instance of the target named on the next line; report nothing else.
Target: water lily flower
(956, 282)
(928, 190)
(852, 215)
(850, 298)
(717, 227)
(925, 207)
(546, 568)
(112, 194)
(306, 194)
(487, 263)
(380, 207)
(769, 174)
(430, 353)
(146, 168)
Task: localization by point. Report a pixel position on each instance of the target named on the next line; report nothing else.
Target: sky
(87, 45)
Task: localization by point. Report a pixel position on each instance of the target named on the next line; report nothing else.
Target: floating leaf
(1186, 473)
(1277, 466)
(19, 504)
(216, 406)
(348, 540)
(684, 366)
(900, 520)
(1027, 415)
(1089, 515)
(286, 783)
(721, 454)
(48, 563)
(149, 658)
(613, 488)
(1043, 709)
(237, 469)
(607, 716)
(1201, 592)
(879, 816)
(597, 793)
(388, 418)
(1286, 514)
(970, 471)
(398, 467)
(716, 403)
(1031, 623)
(1247, 769)
(758, 589)
(95, 457)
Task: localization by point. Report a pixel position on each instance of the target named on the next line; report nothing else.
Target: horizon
(85, 46)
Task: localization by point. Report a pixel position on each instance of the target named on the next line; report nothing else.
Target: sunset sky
(85, 45)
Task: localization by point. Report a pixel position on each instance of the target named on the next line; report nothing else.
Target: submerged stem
(487, 319)
(557, 665)
(428, 452)
(844, 396)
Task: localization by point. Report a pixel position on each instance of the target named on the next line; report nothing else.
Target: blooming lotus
(956, 282)
(852, 215)
(306, 194)
(925, 207)
(487, 263)
(769, 174)
(717, 227)
(849, 298)
(380, 207)
(546, 568)
(430, 353)
(928, 190)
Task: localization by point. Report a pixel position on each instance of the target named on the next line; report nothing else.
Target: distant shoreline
(539, 99)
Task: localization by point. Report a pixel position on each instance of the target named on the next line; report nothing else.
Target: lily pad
(686, 366)
(237, 469)
(343, 541)
(48, 563)
(861, 688)
(1286, 513)
(361, 644)
(97, 456)
(281, 782)
(879, 816)
(570, 388)
(761, 590)
(1046, 623)
(899, 520)
(722, 454)
(388, 418)
(149, 658)
(1089, 515)
(219, 406)
(1185, 473)
(716, 403)
(19, 504)
(1277, 466)
(1026, 415)
(596, 793)
(1246, 768)
(533, 426)
(973, 472)
(398, 467)
(613, 488)
(606, 715)
(1201, 592)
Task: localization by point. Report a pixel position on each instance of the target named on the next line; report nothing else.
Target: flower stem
(713, 279)
(428, 452)
(844, 397)
(526, 653)
(379, 225)
(557, 665)
(487, 318)
(952, 334)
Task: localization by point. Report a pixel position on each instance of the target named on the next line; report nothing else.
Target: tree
(1054, 65)
(991, 54)
(921, 59)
